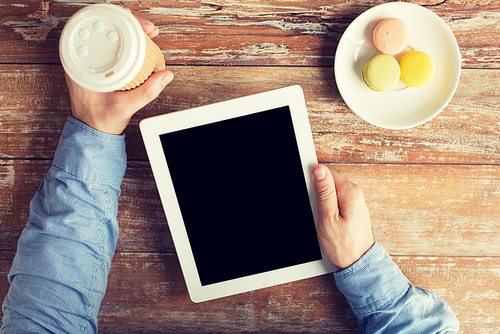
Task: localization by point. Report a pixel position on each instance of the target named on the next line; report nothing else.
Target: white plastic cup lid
(102, 47)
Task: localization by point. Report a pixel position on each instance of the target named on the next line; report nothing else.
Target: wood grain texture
(36, 104)
(432, 210)
(160, 303)
(469, 285)
(287, 33)
(147, 294)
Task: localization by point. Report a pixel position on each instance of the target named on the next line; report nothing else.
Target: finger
(326, 194)
(154, 33)
(149, 90)
(149, 28)
(348, 195)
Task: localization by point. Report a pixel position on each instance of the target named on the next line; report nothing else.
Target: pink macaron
(390, 36)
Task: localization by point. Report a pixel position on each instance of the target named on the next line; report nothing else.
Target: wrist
(371, 281)
(355, 256)
(91, 155)
(112, 128)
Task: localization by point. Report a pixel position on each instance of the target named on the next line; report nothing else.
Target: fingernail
(319, 173)
(167, 78)
(147, 22)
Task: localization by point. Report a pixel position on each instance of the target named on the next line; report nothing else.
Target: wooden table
(433, 191)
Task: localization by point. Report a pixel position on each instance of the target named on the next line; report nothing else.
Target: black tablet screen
(242, 195)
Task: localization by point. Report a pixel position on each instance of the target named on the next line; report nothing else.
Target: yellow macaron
(417, 69)
(381, 73)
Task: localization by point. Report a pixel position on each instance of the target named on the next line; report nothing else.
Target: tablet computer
(235, 183)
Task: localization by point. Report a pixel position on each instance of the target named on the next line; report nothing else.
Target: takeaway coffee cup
(103, 48)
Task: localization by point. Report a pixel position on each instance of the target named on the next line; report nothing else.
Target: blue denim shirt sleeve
(384, 301)
(59, 274)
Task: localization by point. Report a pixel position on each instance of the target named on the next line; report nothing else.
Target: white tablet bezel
(152, 128)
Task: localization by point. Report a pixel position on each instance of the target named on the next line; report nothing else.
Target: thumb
(150, 89)
(326, 194)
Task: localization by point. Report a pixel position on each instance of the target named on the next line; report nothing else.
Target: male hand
(111, 112)
(344, 227)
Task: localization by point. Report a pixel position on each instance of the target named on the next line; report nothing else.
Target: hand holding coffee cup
(104, 48)
(110, 111)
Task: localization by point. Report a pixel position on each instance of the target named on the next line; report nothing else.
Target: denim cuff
(371, 282)
(91, 155)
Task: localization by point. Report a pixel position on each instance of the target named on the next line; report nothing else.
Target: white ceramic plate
(398, 108)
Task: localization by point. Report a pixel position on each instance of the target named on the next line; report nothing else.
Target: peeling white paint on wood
(320, 25)
(175, 11)
(38, 28)
(339, 135)
(305, 28)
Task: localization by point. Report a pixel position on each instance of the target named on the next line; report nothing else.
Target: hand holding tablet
(232, 231)
(344, 227)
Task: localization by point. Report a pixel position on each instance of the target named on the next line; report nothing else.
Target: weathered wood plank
(416, 209)
(34, 107)
(147, 294)
(242, 33)
(468, 284)
(159, 301)
(431, 209)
